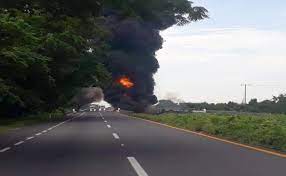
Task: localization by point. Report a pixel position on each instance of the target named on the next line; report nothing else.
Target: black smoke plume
(134, 40)
(133, 47)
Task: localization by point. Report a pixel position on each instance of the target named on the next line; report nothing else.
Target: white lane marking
(81, 114)
(115, 135)
(137, 167)
(19, 143)
(5, 149)
(101, 115)
(122, 145)
(38, 134)
(57, 125)
(29, 138)
(108, 126)
(105, 121)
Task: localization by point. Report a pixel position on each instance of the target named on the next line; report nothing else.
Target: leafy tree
(23, 69)
(40, 56)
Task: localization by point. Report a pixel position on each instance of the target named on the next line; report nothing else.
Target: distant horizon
(182, 101)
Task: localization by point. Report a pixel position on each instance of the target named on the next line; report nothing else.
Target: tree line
(276, 105)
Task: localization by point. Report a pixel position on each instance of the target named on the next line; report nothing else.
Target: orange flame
(126, 82)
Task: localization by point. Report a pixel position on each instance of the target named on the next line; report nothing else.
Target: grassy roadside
(7, 124)
(268, 131)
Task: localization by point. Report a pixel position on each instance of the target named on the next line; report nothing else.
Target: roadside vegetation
(264, 130)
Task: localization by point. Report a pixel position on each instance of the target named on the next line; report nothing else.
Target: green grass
(266, 130)
(7, 124)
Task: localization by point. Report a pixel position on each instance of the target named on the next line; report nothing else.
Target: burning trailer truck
(124, 94)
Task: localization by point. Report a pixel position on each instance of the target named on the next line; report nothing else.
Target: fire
(126, 82)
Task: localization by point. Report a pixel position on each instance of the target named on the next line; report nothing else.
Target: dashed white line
(115, 135)
(137, 167)
(32, 137)
(56, 125)
(101, 115)
(38, 134)
(108, 126)
(19, 143)
(122, 145)
(29, 138)
(105, 121)
(5, 149)
(80, 115)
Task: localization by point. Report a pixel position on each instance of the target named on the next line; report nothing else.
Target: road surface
(111, 144)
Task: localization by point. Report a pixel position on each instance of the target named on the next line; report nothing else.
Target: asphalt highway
(112, 144)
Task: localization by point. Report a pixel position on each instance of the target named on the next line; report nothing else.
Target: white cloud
(196, 64)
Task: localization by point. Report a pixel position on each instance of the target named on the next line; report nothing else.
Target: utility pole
(245, 93)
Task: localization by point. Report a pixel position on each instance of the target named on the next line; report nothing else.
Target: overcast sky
(242, 42)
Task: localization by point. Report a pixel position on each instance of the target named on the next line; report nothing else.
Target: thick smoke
(88, 95)
(174, 97)
(134, 44)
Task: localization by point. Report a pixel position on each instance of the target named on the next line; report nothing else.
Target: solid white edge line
(38, 134)
(5, 149)
(137, 167)
(115, 135)
(19, 143)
